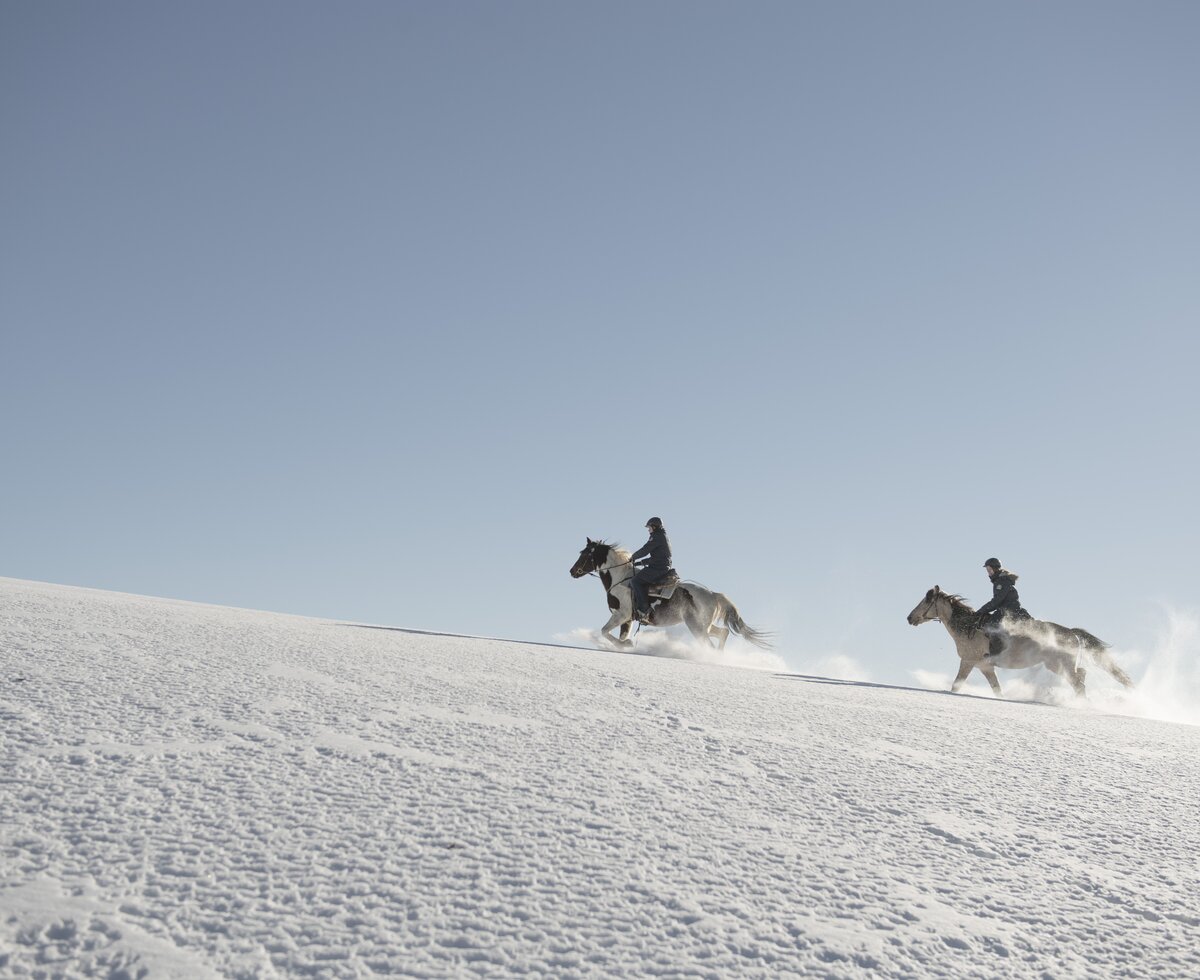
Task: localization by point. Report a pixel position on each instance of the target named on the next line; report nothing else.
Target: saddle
(664, 589)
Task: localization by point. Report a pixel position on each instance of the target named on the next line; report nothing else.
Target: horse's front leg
(622, 615)
(964, 668)
(989, 672)
(614, 620)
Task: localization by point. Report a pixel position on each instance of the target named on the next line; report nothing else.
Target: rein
(597, 571)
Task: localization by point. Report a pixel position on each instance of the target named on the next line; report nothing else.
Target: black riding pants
(641, 578)
(997, 629)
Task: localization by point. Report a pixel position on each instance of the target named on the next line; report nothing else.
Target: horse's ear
(589, 542)
(937, 589)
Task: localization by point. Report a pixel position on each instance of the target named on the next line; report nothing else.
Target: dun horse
(700, 610)
(1029, 643)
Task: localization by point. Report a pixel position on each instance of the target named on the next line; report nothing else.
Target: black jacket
(658, 549)
(1005, 601)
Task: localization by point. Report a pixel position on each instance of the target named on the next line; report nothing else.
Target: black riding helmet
(655, 524)
(992, 563)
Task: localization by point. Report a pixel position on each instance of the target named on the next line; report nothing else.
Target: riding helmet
(993, 562)
(655, 524)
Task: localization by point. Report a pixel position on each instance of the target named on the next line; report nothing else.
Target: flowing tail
(736, 624)
(1097, 649)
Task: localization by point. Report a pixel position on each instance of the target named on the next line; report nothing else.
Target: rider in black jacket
(657, 566)
(1004, 606)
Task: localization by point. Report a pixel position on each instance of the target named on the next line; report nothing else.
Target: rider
(657, 567)
(1003, 608)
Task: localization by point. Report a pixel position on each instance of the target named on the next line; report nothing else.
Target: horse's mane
(960, 609)
(614, 549)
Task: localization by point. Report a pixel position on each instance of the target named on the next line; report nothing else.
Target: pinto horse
(1029, 643)
(693, 605)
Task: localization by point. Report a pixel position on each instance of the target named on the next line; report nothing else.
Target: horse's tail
(1097, 649)
(739, 626)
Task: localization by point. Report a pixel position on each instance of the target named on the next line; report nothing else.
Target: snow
(193, 791)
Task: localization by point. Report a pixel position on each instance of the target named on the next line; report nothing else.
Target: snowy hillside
(197, 791)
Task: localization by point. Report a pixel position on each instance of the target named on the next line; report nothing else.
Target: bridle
(596, 571)
(929, 605)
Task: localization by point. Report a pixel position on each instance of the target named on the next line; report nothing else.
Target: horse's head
(590, 558)
(926, 610)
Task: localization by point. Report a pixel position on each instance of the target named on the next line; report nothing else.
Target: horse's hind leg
(699, 629)
(1105, 660)
(1066, 669)
(721, 632)
(697, 616)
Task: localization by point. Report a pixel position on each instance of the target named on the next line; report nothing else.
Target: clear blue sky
(375, 310)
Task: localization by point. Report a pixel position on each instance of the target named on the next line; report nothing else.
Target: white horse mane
(619, 564)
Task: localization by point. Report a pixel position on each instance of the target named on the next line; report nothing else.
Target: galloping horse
(1029, 643)
(689, 603)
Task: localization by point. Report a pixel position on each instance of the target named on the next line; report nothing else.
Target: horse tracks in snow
(197, 791)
